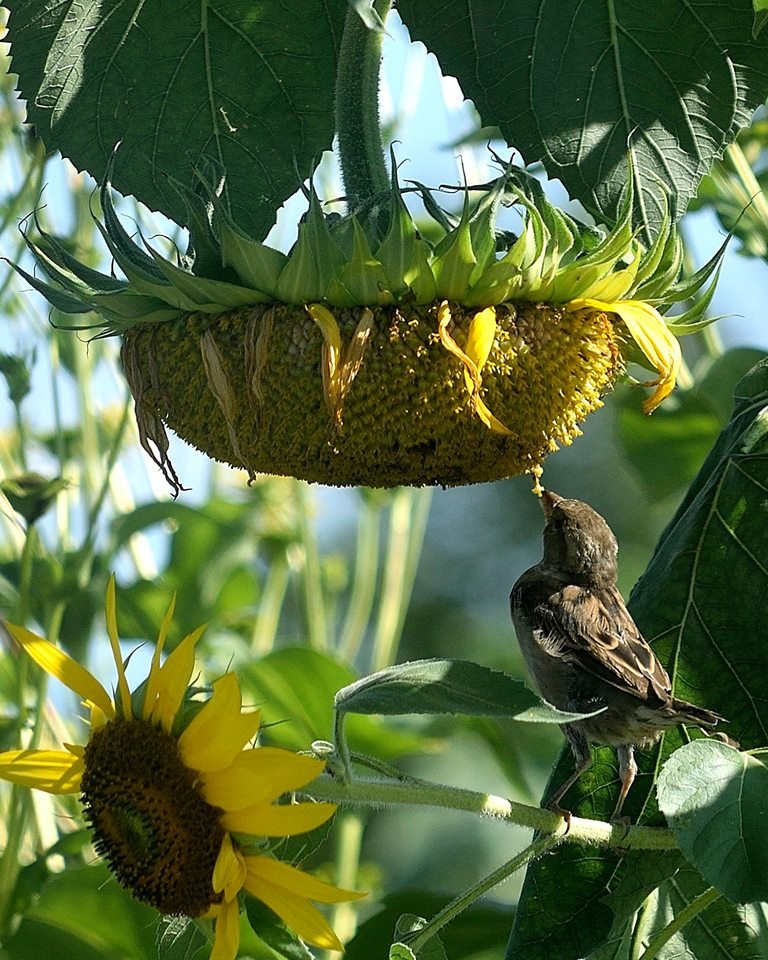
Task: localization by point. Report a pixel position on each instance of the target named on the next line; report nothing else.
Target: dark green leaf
(250, 86)
(722, 931)
(573, 85)
(714, 798)
(447, 686)
(697, 603)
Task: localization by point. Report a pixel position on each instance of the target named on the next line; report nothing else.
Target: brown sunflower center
(149, 820)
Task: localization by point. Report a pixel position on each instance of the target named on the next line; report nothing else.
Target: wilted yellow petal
(647, 328)
(271, 820)
(216, 735)
(221, 388)
(58, 664)
(114, 642)
(331, 355)
(353, 357)
(482, 331)
(226, 938)
(54, 771)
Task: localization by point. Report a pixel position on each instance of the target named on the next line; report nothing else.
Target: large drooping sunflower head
(372, 355)
(181, 804)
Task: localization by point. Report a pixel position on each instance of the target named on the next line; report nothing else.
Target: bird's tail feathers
(690, 713)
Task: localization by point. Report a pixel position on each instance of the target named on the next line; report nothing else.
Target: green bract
(372, 355)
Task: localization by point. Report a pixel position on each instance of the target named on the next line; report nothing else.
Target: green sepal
(58, 253)
(208, 296)
(257, 265)
(402, 253)
(313, 262)
(363, 278)
(454, 260)
(687, 288)
(141, 280)
(69, 294)
(693, 319)
(433, 208)
(661, 250)
(204, 254)
(121, 245)
(54, 294)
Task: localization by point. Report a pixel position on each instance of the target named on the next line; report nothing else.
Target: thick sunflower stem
(357, 107)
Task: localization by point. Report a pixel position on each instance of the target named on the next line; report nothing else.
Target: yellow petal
(114, 642)
(284, 820)
(280, 891)
(260, 775)
(331, 355)
(482, 331)
(174, 678)
(220, 730)
(647, 328)
(302, 884)
(54, 771)
(153, 679)
(58, 664)
(480, 337)
(226, 939)
(229, 870)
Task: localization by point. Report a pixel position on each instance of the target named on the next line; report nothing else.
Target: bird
(585, 652)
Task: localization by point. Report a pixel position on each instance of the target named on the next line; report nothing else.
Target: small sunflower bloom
(181, 805)
(371, 355)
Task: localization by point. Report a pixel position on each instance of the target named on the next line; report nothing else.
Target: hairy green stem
(413, 792)
(694, 908)
(466, 899)
(357, 107)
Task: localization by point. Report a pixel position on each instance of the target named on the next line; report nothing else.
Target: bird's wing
(595, 630)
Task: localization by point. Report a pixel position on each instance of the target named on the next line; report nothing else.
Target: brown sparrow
(585, 651)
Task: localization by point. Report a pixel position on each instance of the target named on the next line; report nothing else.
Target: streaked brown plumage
(585, 651)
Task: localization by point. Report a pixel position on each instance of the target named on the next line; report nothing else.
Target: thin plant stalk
(407, 523)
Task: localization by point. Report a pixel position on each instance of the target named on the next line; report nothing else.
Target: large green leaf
(82, 914)
(447, 686)
(249, 85)
(701, 604)
(713, 798)
(721, 931)
(572, 84)
(295, 687)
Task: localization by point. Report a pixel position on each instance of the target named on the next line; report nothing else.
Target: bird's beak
(549, 501)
